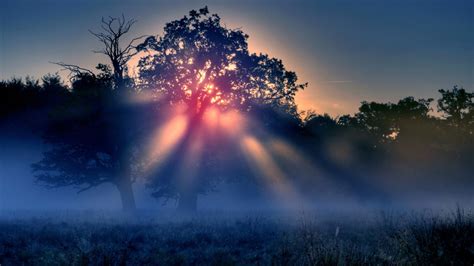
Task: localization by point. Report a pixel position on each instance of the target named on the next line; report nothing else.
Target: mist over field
(20, 148)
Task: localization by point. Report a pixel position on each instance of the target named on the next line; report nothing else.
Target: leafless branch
(113, 30)
(74, 70)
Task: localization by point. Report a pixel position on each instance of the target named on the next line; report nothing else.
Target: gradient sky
(348, 51)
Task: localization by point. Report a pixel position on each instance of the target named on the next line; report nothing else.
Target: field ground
(212, 238)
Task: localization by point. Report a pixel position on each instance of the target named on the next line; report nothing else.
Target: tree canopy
(200, 62)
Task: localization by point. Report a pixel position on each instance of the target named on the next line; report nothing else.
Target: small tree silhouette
(457, 106)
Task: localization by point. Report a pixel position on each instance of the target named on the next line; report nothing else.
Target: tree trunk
(126, 194)
(123, 154)
(188, 201)
(124, 182)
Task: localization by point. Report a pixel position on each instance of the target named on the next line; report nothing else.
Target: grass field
(211, 238)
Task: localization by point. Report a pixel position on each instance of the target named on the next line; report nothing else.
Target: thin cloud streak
(339, 81)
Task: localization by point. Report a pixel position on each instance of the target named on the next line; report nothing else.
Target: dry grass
(210, 239)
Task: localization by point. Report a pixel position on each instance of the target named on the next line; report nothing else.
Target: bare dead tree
(113, 30)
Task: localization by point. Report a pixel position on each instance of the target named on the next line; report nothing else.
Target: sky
(348, 51)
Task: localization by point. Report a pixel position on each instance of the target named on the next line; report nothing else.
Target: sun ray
(301, 166)
(165, 140)
(191, 160)
(233, 123)
(264, 165)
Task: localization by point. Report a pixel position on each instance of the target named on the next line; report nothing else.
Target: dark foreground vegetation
(311, 238)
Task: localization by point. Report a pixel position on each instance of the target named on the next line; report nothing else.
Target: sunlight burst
(166, 139)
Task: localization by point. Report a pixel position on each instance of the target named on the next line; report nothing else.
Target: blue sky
(348, 51)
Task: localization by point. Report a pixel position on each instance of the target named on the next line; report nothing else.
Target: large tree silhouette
(200, 64)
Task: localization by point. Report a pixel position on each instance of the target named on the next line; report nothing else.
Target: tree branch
(73, 69)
